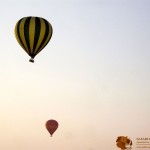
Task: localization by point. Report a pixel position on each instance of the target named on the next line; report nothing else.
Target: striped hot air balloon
(33, 34)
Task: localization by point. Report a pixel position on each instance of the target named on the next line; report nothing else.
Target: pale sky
(92, 77)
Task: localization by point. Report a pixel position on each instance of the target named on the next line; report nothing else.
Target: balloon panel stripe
(17, 34)
(46, 37)
(26, 33)
(21, 30)
(37, 33)
(21, 34)
(41, 35)
(31, 33)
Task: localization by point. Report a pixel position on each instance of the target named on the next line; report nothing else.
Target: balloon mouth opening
(31, 60)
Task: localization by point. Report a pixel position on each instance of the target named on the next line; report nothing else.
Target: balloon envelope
(33, 34)
(51, 126)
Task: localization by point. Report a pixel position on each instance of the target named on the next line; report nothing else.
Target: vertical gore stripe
(26, 33)
(37, 32)
(41, 36)
(22, 35)
(31, 33)
(17, 34)
(47, 36)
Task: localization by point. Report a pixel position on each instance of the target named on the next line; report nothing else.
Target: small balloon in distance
(51, 126)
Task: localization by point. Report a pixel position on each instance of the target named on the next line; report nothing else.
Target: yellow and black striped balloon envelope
(33, 34)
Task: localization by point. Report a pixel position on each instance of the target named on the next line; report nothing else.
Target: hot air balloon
(51, 126)
(33, 34)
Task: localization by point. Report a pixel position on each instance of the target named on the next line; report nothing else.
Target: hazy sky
(92, 77)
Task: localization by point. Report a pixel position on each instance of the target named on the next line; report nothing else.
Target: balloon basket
(31, 60)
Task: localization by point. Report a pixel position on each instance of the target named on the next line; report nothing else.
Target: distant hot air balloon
(33, 34)
(51, 126)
